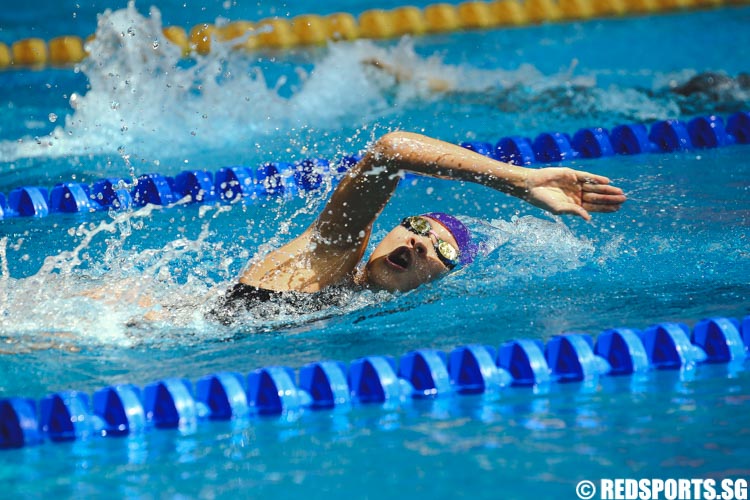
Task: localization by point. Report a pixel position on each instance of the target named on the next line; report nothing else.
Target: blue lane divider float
(623, 350)
(120, 409)
(326, 383)
(169, 404)
(524, 360)
(272, 390)
(111, 193)
(223, 394)
(473, 370)
(571, 358)
(517, 150)
(628, 139)
(28, 202)
(373, 379)
(553, 147)
(426, 370)
(65, 416)
(284, 179)
(173, 403)
(593, 143)
(19, 424)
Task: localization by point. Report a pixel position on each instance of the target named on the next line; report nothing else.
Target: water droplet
(156, 44)
(52, 117)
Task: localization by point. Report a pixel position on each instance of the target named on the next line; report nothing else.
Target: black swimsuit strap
(240, 297)
(248, 293)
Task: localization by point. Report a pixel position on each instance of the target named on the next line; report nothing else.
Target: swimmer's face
(404, 260)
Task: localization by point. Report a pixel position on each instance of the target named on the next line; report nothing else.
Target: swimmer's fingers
(596, 196)
(572, 192)
(587, 178)
(607, 189)
(602, 203)
(585, 208)
(603, 198)
(602, 208)
(573, 209)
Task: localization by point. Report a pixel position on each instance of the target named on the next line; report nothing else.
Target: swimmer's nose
(417, 245)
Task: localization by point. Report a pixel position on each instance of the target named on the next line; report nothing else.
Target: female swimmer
(420, 249)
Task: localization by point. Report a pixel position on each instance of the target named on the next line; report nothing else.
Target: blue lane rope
(425, 373)
(278, 178)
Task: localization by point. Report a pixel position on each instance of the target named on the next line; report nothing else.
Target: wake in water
(161, 296)
(143, 98)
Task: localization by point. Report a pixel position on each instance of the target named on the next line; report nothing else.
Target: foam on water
(126, 295)
(528, 248)
(144, 99)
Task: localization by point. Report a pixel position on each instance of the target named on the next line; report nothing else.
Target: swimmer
(712, 84)
(422, 247)
(402, 74)
(709, 83)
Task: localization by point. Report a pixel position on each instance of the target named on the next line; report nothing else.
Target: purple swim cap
(462, 235)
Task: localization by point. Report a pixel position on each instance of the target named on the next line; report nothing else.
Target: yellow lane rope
(311, 29)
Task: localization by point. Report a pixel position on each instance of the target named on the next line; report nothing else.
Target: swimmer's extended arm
(362, 194)
(401, 74)
(331, 248)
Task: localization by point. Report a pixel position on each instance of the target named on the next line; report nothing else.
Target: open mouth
(399, 258)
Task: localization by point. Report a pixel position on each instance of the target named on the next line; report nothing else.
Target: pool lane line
(235, 183)
(277, 391)
(314, 29)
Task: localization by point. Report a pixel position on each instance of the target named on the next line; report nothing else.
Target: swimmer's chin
(365, 278)
(362, 279)
(372, 277)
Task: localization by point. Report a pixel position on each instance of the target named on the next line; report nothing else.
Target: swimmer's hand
(568, 191)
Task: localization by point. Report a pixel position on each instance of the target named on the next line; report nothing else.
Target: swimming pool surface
(677, 251)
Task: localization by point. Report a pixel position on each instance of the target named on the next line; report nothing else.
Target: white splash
(528, 247)
(144, 99)
(77, 298)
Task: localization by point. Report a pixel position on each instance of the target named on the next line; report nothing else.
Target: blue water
(676, 252)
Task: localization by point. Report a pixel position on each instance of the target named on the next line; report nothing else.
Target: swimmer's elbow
(397, 151)
(388, 143)
(393, 145)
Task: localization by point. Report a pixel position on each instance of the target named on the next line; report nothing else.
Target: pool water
(71, 318)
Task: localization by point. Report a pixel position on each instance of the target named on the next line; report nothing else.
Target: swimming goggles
(447, 253)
